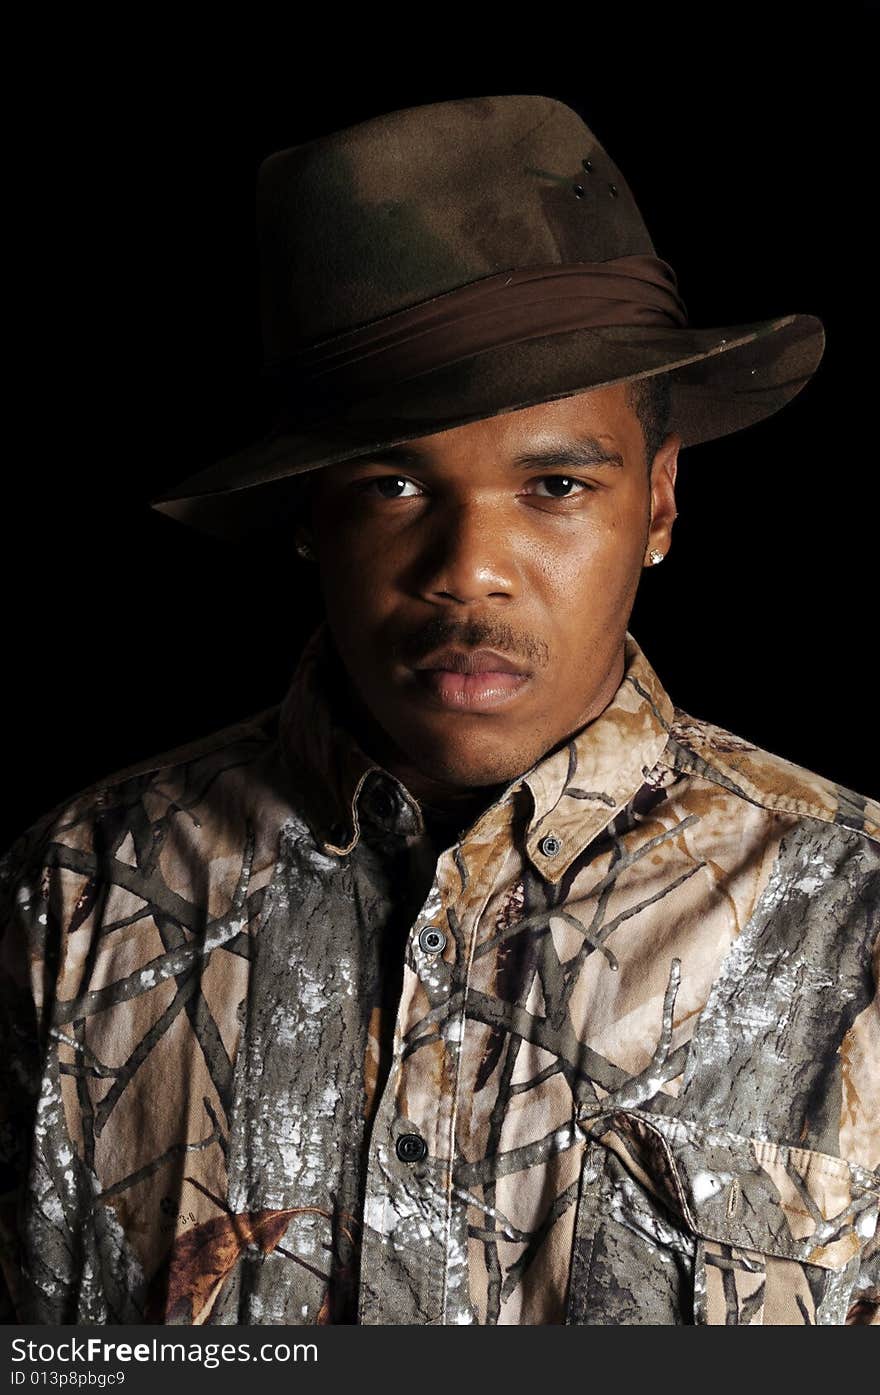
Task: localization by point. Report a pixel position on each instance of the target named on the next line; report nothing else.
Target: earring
(655, 556)
(305, 552)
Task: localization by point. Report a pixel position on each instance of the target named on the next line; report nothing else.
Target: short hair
(651, 400)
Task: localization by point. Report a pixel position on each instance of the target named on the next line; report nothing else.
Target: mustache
(472, 633)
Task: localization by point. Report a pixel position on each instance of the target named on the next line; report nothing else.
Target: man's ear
(663, 510)
(303, 540)
(302, 495)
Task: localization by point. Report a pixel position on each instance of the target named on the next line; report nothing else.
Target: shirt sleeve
(862, 1106)
(28, 953)
(864, 1310)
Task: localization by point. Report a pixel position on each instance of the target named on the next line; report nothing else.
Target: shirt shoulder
(206, 803)
(764, 778)
(245, 737)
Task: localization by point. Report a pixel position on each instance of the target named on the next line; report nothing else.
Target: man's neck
(459, 808)
(443, 801)
(459, 804)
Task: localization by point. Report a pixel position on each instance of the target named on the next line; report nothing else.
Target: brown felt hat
(449, 262)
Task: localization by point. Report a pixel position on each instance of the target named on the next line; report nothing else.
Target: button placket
(432, 940)
(457, 896)
(411, 1147)
(407, 1208)
(469, 905)
(433, 966)
(383, 804)
(404, 1192)
(404, 1230)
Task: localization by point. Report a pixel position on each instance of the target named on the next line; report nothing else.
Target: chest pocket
(676, 1223)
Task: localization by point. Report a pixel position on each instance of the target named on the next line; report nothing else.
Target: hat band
(638, 290)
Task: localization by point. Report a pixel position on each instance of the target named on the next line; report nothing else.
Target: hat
(450, 262)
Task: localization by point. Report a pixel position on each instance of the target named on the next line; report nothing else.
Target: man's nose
(469, 556)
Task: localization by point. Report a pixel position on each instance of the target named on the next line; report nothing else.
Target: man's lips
(469, 661)
(471, 679)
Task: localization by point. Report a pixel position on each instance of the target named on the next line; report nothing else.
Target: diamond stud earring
(304, 551)
(655, 556)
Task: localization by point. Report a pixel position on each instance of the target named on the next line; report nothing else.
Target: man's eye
(387, 487)
(560, 486)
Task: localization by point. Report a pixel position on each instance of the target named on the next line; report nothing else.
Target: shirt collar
(579, 789)
(329, 767)
(575, 791)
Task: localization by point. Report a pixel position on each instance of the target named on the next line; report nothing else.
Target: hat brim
(722, 380)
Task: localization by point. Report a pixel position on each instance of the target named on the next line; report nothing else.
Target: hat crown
(397, 209)
(446, 263)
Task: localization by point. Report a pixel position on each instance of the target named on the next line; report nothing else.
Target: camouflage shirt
(611, 1057)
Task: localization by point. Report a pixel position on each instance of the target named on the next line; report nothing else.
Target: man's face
(512, 534)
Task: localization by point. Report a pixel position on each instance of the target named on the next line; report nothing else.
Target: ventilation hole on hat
(612, 189)
(587, 164)
(579, 191)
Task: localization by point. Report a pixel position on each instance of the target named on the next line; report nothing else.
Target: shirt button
(550, 845)
(383, 804)
(411, 1148)
(432, 939)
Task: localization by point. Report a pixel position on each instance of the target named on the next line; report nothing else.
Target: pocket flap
(793, 1203)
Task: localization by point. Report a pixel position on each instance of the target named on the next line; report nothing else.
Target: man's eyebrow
(587, 452)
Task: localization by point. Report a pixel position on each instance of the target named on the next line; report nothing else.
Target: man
(476, 982)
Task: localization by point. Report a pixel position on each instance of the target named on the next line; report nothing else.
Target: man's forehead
(542, 449)
(590, 432)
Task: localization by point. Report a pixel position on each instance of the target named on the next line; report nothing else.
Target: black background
(750, 146)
